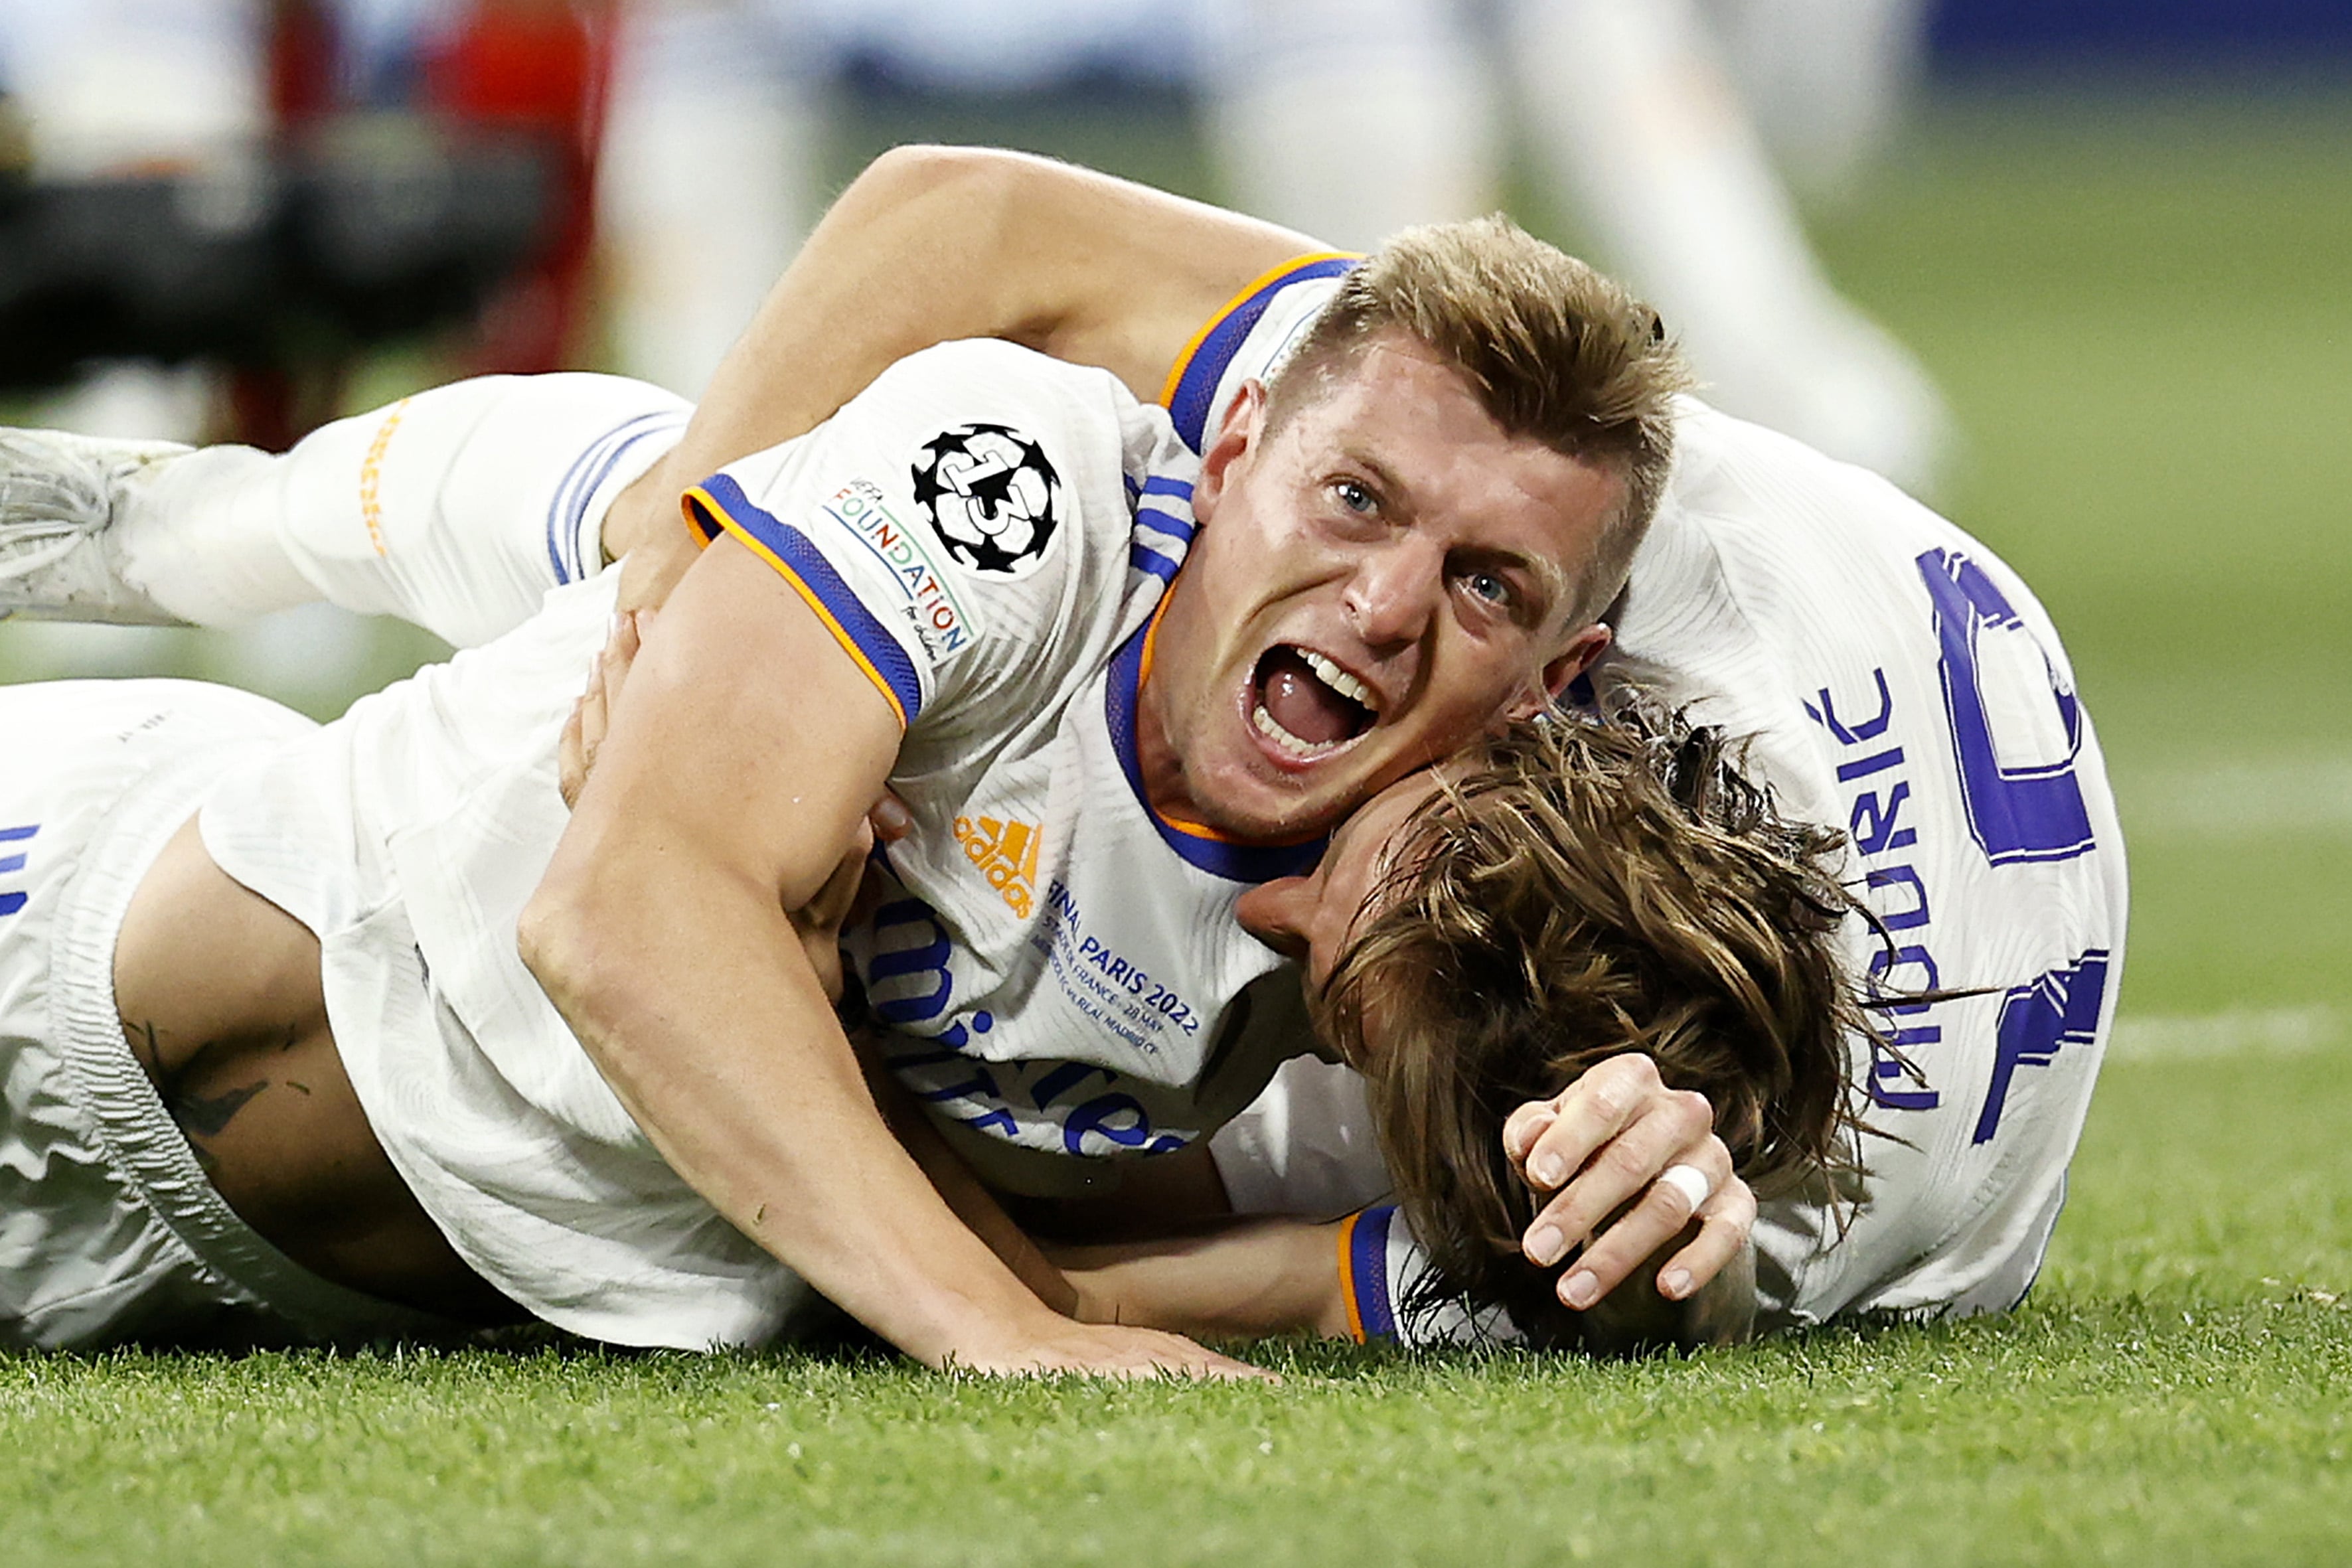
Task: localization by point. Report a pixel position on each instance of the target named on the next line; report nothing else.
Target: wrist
(981, 1329)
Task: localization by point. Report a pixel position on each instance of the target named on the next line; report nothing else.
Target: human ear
(1579, 656)
(1244, 423)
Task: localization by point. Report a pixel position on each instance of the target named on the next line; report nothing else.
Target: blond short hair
(1586, 888)
(1555, 353)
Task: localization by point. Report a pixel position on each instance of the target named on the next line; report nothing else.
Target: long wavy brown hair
(1578, 889)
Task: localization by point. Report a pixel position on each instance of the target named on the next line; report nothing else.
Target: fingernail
(1580, 1289)
(1549, 1169)
(1675, 1285)
(1544, 1246)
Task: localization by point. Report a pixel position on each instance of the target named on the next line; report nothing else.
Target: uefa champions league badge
(991, 495)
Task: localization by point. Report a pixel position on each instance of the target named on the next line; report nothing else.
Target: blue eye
(1354, 496)
(1490, 586)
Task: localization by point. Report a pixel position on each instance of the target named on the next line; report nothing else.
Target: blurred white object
(1827, 81)
(1644, 127)
(1349, 121)
(709, 178)
(1350, 144)
(110, 86)
(714, 141)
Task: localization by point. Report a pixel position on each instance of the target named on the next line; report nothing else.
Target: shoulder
(1781, 594)
(984, 373)
(964, 522)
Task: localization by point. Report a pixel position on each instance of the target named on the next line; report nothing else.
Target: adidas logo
(1006, 854)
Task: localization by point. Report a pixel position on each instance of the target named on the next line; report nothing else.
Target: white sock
(1827, 79)
(1349, 121)
(1630, 108)
(456, 510)
(710, 176)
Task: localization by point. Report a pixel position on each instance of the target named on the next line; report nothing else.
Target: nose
(1394, 590)
(1277, 912)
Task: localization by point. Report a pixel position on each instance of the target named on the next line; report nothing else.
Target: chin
(1277, 811)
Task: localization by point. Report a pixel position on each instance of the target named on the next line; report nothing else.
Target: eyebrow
(1383, 476)
(1554, 582)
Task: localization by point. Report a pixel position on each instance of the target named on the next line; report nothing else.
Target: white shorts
(109, 1231)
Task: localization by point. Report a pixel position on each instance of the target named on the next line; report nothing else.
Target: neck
(1164, 784)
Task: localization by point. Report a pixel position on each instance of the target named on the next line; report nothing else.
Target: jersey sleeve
(1249, 339)
(1382, 1270)
(949, 525)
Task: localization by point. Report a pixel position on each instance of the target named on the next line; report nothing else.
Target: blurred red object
(537, 67)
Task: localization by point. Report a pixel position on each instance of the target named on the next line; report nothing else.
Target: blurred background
(2080, 271)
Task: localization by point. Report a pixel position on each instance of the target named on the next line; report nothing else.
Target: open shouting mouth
(1308, 706)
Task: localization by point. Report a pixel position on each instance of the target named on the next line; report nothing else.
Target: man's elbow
(982, 182)
(564, 937)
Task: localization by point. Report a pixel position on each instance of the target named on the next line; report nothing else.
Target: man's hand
(1240, 1278)
(1595, 1147)
(592, 716)
(1105, 1351)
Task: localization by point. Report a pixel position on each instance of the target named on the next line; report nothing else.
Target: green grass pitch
(2138, 306)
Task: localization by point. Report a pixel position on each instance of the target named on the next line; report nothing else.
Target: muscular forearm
(771, 1125)
(965, 1194)
(935, 243)
(1241, 1279)
(660, 930)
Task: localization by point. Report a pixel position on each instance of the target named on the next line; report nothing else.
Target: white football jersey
(1058, 965)
(1899, 683)
(989, 534)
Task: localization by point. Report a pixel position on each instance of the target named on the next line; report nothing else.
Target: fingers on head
(1525, 1125)
(1613, 1095)
(1691, 1112)
(1712, 1162)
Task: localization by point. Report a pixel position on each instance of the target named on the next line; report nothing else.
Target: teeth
(1338, 680)
(1303, 750)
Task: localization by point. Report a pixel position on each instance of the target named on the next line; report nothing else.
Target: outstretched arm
(1655, 1270)
(1253, 1278)
(935, 243)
